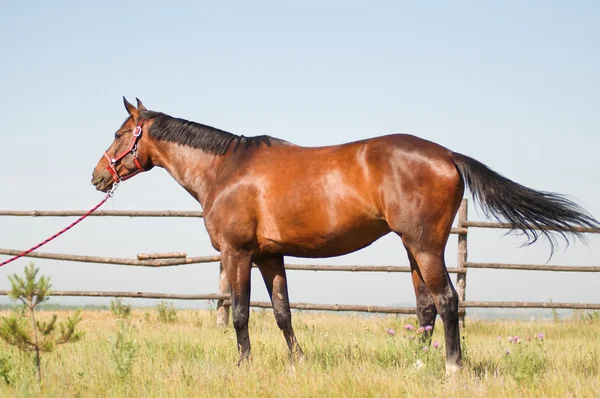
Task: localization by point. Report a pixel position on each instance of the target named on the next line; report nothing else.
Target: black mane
(196, 135)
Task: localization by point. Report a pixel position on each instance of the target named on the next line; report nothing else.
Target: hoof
(452, 369)
(244, 360)
(298, 357)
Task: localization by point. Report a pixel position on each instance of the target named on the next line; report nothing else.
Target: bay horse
(264, 198)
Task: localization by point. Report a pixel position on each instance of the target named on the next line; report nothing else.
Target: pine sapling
(31, 335)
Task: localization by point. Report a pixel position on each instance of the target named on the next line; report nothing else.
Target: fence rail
(115, 260)
(164, 296)
(533, 267)
(170, 261)
(180, 258)
(226, 302)
(514, 304)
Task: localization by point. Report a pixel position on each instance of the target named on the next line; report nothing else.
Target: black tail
(533, 212)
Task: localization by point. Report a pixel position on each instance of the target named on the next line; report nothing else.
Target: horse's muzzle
(101, 182)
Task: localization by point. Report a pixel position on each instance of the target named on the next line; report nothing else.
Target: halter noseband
(131, 149)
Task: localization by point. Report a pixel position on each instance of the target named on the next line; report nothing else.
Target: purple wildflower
(425, 349)
(428, 328)
(436, 344)
(507, 352)
(391, 332)
(408, 326)
(421, 329)
(539, 336)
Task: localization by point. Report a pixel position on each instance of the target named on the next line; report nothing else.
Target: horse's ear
(132, 110)
(140, 106)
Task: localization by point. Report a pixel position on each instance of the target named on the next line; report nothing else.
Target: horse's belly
(305, 241)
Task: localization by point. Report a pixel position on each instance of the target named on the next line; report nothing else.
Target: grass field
(346, 355)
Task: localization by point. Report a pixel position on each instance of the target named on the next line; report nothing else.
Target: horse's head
(128, 153)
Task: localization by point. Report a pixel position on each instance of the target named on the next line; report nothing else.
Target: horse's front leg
(237, 265)
(273, 273)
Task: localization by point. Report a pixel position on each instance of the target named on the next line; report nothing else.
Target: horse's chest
(213, 233)
(234, 229)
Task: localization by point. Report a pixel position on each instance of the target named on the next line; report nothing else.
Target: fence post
(224, 288)
(461, 278)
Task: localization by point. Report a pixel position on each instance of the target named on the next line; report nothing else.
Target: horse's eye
(118, 135)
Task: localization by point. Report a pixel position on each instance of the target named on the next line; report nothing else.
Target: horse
(264, 198)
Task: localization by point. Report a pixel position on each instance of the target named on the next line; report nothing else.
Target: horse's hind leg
(273, 273)
(422, 214)
(426, 311)
(433, 271)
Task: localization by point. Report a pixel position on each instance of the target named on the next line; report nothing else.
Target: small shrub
(166, 311)
(23, 331)
(124, 351)
(120, 310)
(525, 360)
(6, 370)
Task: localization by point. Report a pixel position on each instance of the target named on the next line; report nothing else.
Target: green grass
(346, 355)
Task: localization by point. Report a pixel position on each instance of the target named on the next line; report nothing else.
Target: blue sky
(512, 84)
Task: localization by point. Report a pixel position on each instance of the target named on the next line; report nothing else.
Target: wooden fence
(222, 297)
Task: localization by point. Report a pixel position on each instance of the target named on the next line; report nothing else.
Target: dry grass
(346, 355)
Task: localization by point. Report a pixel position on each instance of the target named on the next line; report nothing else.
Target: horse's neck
(194, 169)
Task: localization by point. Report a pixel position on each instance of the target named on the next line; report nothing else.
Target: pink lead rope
(109, 194)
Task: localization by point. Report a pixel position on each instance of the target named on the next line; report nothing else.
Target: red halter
(131, 149)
